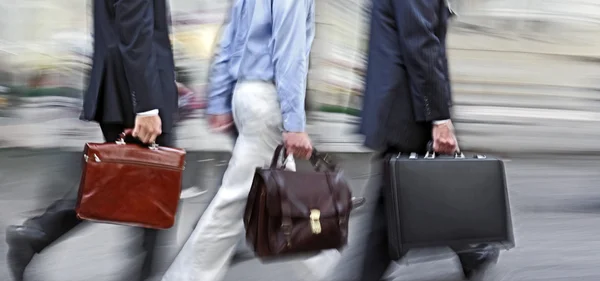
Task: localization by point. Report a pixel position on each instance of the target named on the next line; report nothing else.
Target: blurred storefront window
(504, 55)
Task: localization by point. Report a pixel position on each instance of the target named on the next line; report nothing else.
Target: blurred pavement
(554, 203)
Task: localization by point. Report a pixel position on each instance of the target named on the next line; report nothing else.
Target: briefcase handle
(431, 154)
(317, 159)
(129, 132)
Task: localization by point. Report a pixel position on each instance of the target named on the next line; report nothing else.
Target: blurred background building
(522, 71)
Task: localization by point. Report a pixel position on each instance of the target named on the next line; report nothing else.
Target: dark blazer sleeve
(135, 23)
(424, 54)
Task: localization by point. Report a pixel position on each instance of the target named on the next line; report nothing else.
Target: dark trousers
(367, 258)
(60, 217)
(373, 260)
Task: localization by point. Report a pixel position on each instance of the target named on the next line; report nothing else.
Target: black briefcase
(434, 200)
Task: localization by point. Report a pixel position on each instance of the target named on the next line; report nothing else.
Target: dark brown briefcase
(290, 213)
(130, 184)
(436, 200)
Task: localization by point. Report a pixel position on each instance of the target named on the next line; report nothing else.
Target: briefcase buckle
(315, 221)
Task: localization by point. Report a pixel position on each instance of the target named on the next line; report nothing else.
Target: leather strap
(129, 132)
(276, 156)
(251, 202)
(317, 158)
(125, 133)
(286, 210)
(334, 198)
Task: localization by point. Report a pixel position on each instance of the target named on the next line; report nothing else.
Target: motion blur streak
(526, 84)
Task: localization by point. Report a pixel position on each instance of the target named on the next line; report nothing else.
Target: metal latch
(315, 221)
(87, 158)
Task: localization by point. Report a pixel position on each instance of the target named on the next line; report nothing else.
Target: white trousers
(206, 254)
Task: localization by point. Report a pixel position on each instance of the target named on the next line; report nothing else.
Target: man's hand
(221, 122)
(182, 89)
(147, 128)
(298, 144)
(444, 140)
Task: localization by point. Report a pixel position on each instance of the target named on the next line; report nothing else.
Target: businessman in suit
(407, 103)
(132, 85)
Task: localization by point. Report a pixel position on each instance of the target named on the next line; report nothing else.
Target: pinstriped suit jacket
(407, 83)
(133, 69)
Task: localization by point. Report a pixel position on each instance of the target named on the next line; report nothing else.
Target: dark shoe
(23, 242)
(476, 261)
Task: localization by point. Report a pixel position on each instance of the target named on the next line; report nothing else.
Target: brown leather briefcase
(291, 213)
(130, 184)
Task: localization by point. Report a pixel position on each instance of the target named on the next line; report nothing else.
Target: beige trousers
(206, 254)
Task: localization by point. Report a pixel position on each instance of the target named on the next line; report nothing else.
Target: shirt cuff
(152, 112)
(440, 122)
(294, 123)
(218, 105)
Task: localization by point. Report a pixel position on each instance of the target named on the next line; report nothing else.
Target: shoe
(23, 242)
(475, 263)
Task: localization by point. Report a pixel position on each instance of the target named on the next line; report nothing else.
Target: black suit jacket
(407, 83)
(133, 69)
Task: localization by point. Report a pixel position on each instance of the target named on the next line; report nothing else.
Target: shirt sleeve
(220, 81)
(293, 30)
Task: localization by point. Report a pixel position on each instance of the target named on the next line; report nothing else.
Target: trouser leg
(207, 252)
(111, 133)
(60, 217)
(366, 258)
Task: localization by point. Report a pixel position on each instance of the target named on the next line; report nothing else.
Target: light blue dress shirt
(265, 40)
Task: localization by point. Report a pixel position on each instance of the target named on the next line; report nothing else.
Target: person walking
(257, 85)
(132, 85)
(407, 103)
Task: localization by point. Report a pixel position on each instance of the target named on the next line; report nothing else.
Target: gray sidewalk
(554, 205)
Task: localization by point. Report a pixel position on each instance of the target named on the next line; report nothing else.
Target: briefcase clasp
(431, 155)
(96, 158)
(315, 221)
